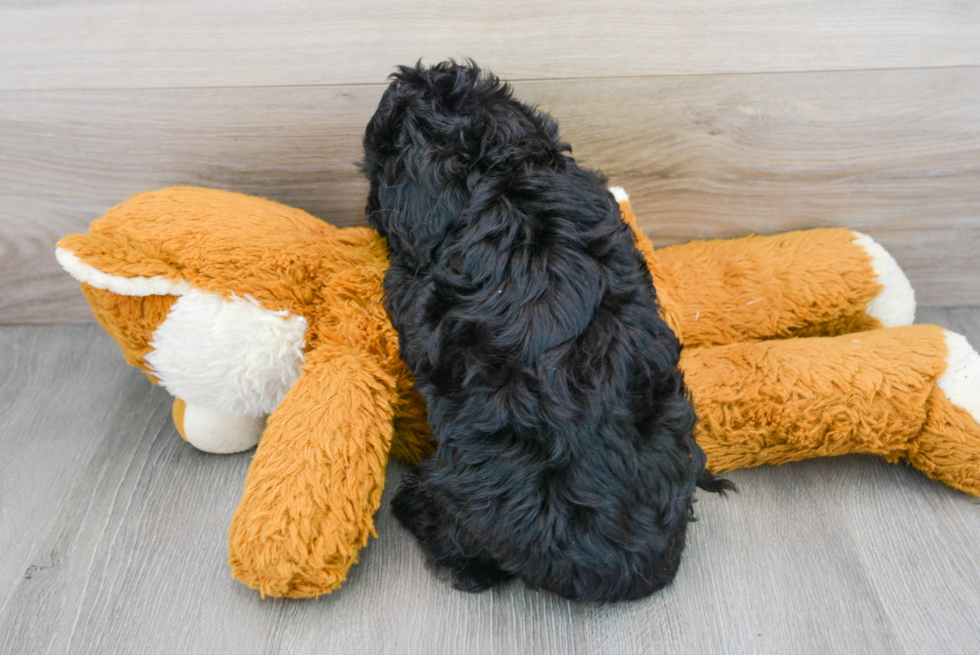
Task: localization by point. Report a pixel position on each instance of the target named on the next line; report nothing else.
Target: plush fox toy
(267, 325)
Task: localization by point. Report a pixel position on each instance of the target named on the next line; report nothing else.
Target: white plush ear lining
(124, 286)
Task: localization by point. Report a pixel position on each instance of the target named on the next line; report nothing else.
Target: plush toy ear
(118, 263)
(626, 213)
(623, 198)
(129, 288)
(316, 478)
(670, 308)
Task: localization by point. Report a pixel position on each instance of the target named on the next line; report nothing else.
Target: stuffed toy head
(263, 322)
(267, 325)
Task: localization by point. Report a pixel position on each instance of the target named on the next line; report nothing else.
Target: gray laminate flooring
(112, 540)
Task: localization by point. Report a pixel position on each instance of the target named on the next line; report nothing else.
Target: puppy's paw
(476, 574)
(448, 548)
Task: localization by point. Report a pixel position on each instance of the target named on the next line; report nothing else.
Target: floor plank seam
(518, 80)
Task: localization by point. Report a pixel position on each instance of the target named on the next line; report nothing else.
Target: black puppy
(530, 321)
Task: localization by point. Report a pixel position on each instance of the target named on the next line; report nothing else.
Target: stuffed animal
(267, 326)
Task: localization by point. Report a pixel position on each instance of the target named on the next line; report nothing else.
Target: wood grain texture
(936, 530)
(43, 442)
(895, 154)
(113, 540)
(161, 43)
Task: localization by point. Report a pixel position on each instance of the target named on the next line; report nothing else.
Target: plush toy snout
(215, 432)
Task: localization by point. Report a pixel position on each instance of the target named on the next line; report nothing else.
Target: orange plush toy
(267, 326)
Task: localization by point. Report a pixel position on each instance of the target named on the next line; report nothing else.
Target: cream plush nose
(215, 432)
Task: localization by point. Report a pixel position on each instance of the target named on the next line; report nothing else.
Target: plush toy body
(795, 346)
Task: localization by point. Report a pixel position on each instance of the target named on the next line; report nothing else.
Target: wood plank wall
(721, 118)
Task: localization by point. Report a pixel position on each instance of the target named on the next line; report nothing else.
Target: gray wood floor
(112, 539)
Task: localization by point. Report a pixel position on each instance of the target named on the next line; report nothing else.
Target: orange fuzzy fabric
(130, 320)
(797, 284)
(317, 476)
(318, 473)
(876, 392)
(316, 479)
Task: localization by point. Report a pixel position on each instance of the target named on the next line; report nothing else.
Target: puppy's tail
(709, 482)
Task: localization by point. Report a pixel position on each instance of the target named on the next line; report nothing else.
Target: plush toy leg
(948, 449)
(909, 393)
(215, 432)
(821, 282)
(316, 479)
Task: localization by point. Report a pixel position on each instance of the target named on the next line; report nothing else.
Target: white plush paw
(961, 381)
(216, 432)
(895, 305)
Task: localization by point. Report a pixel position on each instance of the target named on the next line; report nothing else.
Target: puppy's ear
(380, 135)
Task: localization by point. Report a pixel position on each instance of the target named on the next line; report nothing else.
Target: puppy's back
(530, 321)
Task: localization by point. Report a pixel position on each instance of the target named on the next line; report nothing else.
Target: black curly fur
(530, 321)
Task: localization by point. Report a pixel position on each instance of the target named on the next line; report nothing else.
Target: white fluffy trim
(895, 305)
(961, 381)
(231, 356)
(124, 286)
(214, 432)
(619, 193)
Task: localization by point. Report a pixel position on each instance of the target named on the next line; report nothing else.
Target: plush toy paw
(894, 306)
(948, 449)
(961, 381)
(215, 432)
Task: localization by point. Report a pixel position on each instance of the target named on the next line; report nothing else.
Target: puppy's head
(435, 132)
